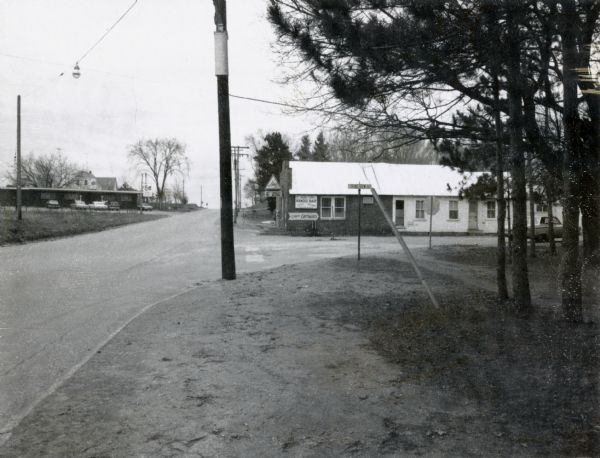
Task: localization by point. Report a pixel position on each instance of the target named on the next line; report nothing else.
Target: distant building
(106, 183)
(86, 180)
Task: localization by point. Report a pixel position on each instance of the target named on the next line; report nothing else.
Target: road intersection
(62, 300)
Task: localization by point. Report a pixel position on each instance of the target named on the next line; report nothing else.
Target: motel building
(323, 196)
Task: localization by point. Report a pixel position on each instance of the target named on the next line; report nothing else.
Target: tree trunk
(590, 187)
(531, 207)
(590, 216)
(570, 264)
(520, 276)
(501, 216)
(494, 64)
(551, 238)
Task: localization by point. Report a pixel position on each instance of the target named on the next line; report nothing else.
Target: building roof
(106, 183)
(388, 179)
(71, 190)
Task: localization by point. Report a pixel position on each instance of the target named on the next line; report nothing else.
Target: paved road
(61, 300)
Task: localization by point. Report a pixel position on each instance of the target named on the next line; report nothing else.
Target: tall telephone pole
(236, 169)
(222, 73)
(19, 197)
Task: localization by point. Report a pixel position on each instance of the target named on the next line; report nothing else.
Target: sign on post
(432, 206)
(359, 186)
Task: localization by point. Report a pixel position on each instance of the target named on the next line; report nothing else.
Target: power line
(108, 31)
(271, 102)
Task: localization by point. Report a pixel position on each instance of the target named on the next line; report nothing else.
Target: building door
(473, 223)
(399, 213)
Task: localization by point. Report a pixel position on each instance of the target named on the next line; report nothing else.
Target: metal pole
(359, 208)
(430, 218)
(406, 250)
(222, 73)
(19, 197)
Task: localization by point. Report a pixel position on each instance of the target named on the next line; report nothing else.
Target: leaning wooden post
(406, 250)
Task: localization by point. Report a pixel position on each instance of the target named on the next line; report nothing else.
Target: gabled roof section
(106, 183)
(388, 179)
(273, 184)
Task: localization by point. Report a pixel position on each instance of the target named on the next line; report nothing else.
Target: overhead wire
(85, 54)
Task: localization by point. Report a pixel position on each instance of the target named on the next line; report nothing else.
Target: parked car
(52, 204)
(145, 207)
(114, 206)
(79, 205)
(98, 205)
(541, 230)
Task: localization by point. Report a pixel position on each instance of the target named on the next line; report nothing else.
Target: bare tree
(162, 158)
(45, 171)
(251, 191)
(347, 145)
(179, 195)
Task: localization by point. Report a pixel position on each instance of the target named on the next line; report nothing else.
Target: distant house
(318, 191)
(106, 183)
(86, 180)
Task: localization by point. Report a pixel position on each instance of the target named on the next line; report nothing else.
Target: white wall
(442, 222)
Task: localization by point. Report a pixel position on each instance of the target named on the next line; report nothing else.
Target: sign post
(430, 219)
(433, 208)
(359, 187)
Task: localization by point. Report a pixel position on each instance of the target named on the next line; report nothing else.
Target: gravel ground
(332, 358)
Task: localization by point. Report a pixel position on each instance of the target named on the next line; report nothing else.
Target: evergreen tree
(303, 153)
(269, 159)
(320, 150)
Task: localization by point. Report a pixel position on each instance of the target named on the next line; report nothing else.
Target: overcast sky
(152, 76)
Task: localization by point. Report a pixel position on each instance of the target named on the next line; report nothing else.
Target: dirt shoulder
(330, 358)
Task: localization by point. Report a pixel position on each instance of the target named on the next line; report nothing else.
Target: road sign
(298, 216)
(432, 205)
(359, 186)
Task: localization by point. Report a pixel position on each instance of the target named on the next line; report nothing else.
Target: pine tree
(320, 150)
(303, 153)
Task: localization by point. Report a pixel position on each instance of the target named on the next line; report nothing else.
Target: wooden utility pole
(19, 197)
(222, 73)
(236, 169)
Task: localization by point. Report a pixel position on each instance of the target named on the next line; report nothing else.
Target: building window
(85, 182)
(420, 209)
(541, 207)
(333, 207)
(453, 209)
(491, 209)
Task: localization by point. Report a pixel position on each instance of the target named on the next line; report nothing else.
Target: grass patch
(38, 225)
(534, 379)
